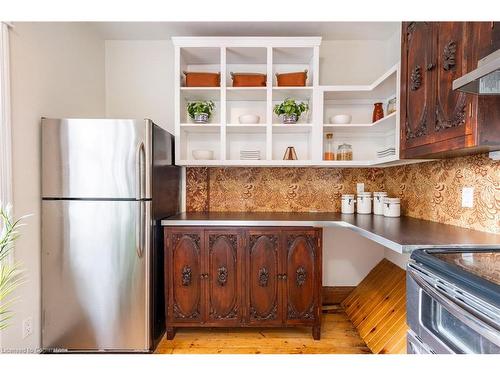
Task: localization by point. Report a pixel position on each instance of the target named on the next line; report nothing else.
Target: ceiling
(165, 30)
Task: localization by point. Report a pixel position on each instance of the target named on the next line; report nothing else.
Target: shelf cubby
(245, 137)
(198, 59)
(294, 59)
(297, 136)
(199, 137)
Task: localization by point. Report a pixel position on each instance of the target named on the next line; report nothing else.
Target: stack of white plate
(250, 155)
(390, 151)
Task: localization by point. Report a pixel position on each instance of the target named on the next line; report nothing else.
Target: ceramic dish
(341, 119)
(249, 119)
(203, 154)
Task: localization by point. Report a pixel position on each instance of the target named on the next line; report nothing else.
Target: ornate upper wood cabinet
(435, 120)
(233, 277)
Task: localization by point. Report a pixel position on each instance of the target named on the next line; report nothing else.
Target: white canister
(348, 203)
(378, 202)
(364, 203)
(392, 207)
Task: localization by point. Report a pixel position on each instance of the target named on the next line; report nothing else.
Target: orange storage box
(202, 79)
(249, 79)
(292, 79)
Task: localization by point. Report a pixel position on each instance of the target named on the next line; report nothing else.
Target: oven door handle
(454, 308)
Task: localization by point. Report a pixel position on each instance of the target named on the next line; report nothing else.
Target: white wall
(57, 70)
(352, 62)
(139, 80)
(348, 257)
(396, 258)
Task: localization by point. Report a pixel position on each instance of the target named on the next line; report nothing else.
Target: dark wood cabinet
(437, 121)
(264, 273)
(301, 294)
(223, 276)
(236, 277)
(185, 291)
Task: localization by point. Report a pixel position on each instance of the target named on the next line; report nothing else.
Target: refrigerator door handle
(138, 230)
(140, 171)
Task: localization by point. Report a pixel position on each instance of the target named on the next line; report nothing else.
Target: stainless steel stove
(453, 301)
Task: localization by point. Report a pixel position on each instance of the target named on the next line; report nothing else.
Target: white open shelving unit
(226, 137)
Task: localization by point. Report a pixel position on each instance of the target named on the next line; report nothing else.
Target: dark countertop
(402, 234)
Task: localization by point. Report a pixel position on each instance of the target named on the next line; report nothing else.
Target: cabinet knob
(430, 66)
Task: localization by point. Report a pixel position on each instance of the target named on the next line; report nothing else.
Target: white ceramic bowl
(341, 119)
(203, 154)
(249, 119)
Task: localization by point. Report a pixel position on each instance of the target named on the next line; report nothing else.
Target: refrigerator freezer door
(95, 278)
(106, 159)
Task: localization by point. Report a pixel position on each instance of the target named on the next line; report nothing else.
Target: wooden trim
(333, 295)
(5, 119)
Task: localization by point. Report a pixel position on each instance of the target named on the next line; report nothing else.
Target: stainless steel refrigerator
(105, 185)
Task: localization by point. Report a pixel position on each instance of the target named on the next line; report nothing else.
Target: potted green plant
(290, 110)
(10, 274)
(200, 111)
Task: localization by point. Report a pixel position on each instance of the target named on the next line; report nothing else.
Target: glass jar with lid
(329, 148)
(344, 152)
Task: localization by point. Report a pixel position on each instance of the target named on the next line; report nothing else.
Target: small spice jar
(392, 207)
(348, 203)
(364, 203)
(378, 202)
(344, 152)
(329, 149)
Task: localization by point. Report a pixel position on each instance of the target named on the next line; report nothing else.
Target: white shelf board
(382, 88)
(295, 92)
(200, 128)
(200, 93)
(246, 93)
(294, 128)
(380, 162)
(246, 128)
(383, 125)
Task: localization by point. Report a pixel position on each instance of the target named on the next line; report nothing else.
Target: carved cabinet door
(418, 66)
(303, 275)
(223, 276)
(454, 109)
(184, 247)
(264, 289)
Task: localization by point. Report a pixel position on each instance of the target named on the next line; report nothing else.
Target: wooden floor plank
(338, 336)
(377, 308)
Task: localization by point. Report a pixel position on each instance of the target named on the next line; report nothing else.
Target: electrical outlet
(360, 187)
(27, 327)
(467, 197)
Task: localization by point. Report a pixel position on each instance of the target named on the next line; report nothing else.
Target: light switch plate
(360, 187)
(467, 197)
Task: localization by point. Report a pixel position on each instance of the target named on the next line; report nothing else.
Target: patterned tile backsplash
(430, 190)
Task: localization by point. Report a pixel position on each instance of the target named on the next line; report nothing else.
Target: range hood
(484, 80)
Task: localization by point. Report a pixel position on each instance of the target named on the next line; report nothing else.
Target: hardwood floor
(338, 336)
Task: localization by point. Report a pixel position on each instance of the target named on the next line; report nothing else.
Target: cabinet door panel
(301, 291)
(451, 106)
(223, 267)
(262, 275)
(417, 83)
(185, 268)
